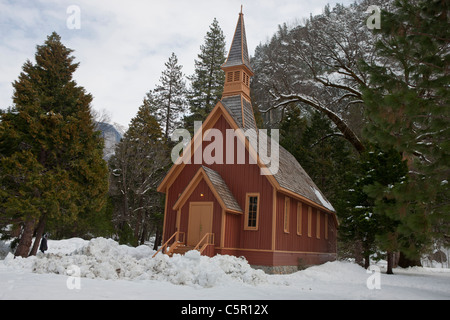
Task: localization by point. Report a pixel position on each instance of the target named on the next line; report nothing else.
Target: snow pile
(336, 272)
(106, 259)
(135, 275)
(66, 246)
(333, 272)
(194, 269)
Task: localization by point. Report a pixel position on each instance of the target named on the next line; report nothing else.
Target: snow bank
(65, 246)
(337, 271)
(134, 274)
(106, 259)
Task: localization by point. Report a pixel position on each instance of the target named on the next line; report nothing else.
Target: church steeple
(237, 67)
(236, 91)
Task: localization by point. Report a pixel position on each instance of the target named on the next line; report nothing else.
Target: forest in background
(364, 110)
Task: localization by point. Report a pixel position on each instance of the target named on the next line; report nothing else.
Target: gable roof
(217, 186)
(291, 178)
(222, 190)
(291, 175)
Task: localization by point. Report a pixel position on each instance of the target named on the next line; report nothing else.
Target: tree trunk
(26, 238)
(137, 228)
(166, 133)
(39, 232)
(366, 261)
(211, 72)
(405, 262)
(158, 238)
(341, 125)
(143, 233)
(358, 249)
(396, 258)
(390, 260)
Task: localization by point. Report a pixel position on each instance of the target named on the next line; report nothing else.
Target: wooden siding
(233, 224)
(259, 246)
(241, 179)
(292, 240)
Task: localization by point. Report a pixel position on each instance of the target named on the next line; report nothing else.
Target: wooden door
(200, 221)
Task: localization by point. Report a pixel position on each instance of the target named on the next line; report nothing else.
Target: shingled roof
(293, 177)
(238, 54)
(222, 189)
(218, 187)
(290, 174)
(241, 110)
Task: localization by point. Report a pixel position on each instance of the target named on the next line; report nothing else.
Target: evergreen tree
(407, 104)
(292, 128)
(322, 152)
(169, 96)
(326, 155)
(358, 226)
(139, 164)
(151, 103)
(51, 156)
(366, 223)
(208, 79)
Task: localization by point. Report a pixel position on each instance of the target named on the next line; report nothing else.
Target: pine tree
(322, 152)
(139, 164)
(208, 79)
(407, 104)
(292, 129)
(366, 222)
(51, 156)
(170, 96)
(326, 155)
(151, 103)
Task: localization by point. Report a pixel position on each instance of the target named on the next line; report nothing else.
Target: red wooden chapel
(276, 221)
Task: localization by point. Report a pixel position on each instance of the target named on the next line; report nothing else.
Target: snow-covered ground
(103, 269)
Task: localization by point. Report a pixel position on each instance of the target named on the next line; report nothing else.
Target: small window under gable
(251, 211)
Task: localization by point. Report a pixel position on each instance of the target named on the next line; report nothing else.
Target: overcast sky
(122, 45)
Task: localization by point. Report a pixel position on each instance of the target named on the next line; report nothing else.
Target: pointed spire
(237, 67)
(236, 91)
(238, 54)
